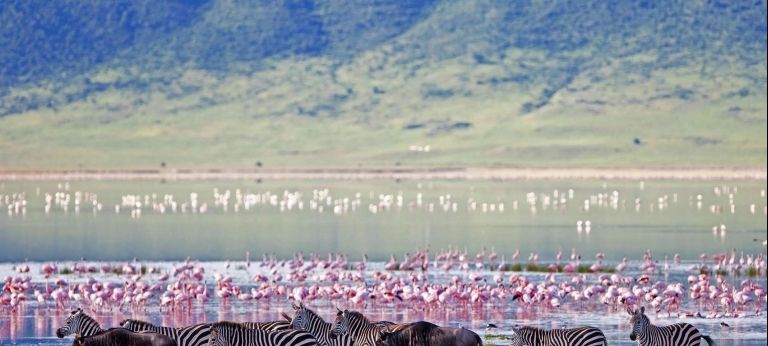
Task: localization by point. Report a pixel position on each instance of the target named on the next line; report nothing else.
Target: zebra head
(516, 338)
(71, 324)
(300, 318)
(340, 325)
(638, 321)
(217, 337)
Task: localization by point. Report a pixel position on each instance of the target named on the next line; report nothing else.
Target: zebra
(582, 336)
(269, 326)
(646, 334)
(362, 331)
(306, 319)
(79, 323)
(235, 334)
(195, 335)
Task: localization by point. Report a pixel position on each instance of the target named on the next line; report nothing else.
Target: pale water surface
(378, 218)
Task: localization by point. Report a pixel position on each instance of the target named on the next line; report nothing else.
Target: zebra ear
(301, 305)
(642, 309)
(294, 306)
(515, 330)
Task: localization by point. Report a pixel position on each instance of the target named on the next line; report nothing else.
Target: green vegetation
(754, 272)
(542, 268)
(490, 339)
(348, 84)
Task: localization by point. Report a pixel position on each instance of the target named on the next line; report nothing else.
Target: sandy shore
(391, 174)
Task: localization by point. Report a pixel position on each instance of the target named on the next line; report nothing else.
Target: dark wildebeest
(423, 333)
(123, 337)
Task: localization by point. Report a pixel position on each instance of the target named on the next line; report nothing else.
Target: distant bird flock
(323, 200)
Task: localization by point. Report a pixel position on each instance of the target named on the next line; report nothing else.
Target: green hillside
(359, 83)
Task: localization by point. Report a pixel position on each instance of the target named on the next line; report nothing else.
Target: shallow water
(627, 217)
(34, 323)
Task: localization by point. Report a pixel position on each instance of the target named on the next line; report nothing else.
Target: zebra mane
(312, 313)
(354, 315)
(137, 322)
(525, 332)
(532, 329)
(228, 325)
(88, 318)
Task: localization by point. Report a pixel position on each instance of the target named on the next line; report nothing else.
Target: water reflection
(31, 325)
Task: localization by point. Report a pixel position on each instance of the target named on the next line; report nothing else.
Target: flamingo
(622, 266)
(392, 264)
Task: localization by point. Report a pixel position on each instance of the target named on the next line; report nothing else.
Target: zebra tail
(709, 340)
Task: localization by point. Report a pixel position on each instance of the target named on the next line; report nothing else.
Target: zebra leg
(708, 339)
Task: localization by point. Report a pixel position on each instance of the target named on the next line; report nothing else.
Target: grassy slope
(316, 111)
(673, 134)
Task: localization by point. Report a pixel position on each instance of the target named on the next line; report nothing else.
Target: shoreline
(447, 173)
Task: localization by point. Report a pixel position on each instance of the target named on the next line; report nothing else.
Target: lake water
(284, 217)
(166, 222)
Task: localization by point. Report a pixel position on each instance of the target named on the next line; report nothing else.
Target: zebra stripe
(235, 334)
(354, 324)
(646, 334)
(195, 335)
(306, 319)
(582, 336)
(271, 326)
(79, 323)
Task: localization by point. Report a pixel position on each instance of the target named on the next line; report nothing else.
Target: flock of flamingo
(323, 200)
(720, 285)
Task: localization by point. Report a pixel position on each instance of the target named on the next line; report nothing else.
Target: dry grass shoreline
(390, 174)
